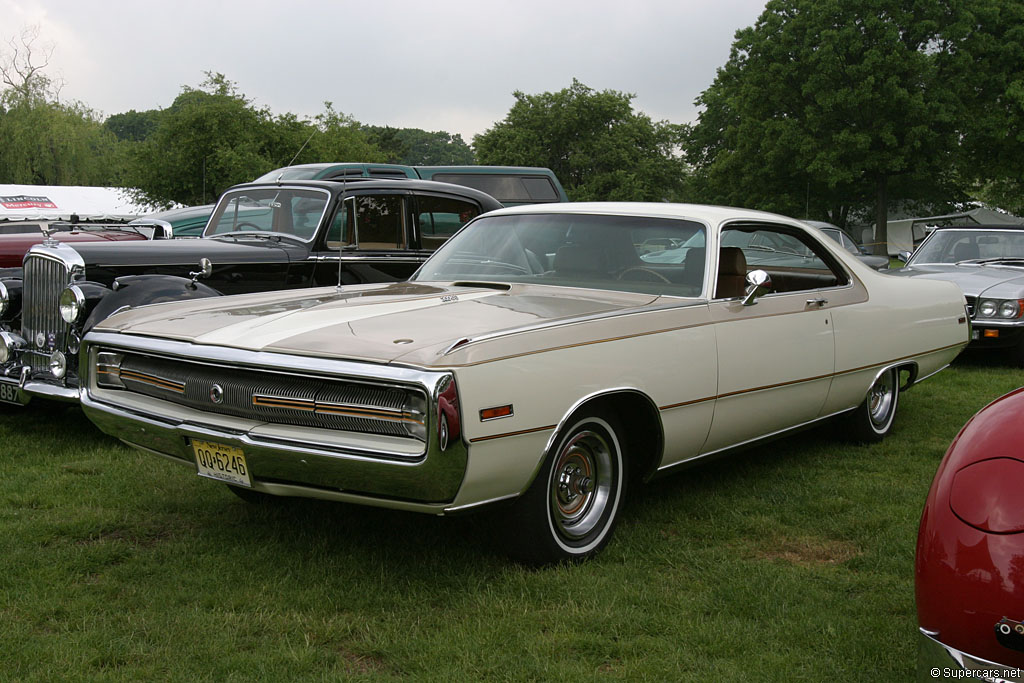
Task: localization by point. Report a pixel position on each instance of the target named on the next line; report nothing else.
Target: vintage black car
(261, 236)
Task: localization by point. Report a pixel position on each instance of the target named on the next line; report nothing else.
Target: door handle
(819, 302)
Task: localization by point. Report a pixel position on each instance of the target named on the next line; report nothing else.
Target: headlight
(9, 345)
(108, 370)
(1009, 309)
(72, 303)
(1005, 309)
(5, 298)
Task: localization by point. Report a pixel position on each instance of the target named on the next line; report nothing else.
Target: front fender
(137, 290)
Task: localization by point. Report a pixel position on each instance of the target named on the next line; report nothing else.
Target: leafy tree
(416, 147)
(44, 141)
(339, 137)
(988, 61)
(206, 141)
(133, 125)
(827, 104)
(594, 142)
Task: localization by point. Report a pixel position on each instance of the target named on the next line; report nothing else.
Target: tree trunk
(881, 244)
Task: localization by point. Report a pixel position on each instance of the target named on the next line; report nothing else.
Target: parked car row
(261, 237)
(542, 362)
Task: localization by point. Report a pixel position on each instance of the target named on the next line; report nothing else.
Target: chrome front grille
(44, 278)
(277, 398)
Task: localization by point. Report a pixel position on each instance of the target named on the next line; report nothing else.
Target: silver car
(987, 262)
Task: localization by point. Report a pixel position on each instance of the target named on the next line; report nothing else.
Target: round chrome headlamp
(1009, 309)
(58, 365)
(9, 345)
(5, 298)
(72, 303)
(987, 308)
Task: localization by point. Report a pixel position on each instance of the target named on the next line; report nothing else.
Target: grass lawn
(792, 561)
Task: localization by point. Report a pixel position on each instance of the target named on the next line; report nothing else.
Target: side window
(438, 218)
(794, 261)
(369, 222)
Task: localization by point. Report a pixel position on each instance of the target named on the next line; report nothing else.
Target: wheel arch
(639, 421)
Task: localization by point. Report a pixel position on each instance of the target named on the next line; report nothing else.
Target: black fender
(137, 290)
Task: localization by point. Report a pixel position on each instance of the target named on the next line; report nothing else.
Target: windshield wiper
(985, 261)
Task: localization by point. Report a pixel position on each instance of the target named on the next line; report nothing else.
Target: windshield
(971, 246)
(575, 250)
(295, 212)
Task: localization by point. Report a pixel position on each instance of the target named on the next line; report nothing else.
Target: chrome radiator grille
(277, 398)
(41, 325)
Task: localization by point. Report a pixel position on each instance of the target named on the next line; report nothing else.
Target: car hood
(380, 323)
(1004, 282)
(14, 246)
(174, 252)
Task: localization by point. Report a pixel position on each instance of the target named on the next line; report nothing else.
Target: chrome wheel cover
(881, 399)
(581, 484)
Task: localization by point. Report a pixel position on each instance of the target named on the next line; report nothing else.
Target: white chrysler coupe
(544, 358)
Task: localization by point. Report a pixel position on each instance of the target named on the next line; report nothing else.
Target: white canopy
(59, 202)
(904, 234)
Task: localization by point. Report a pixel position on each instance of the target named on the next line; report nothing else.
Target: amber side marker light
(991, 333)
(495, 413)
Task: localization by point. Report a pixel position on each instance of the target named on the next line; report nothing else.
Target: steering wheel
(245, 224)
(651, 275)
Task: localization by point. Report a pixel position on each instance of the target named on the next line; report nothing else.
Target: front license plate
(221, 462)
(9, 394)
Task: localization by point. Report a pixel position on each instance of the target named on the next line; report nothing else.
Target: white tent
(904, 234)
(59, 202)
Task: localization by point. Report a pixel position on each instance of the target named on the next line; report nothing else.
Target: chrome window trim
(328, 204)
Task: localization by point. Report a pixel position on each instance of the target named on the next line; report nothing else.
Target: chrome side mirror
(759, 283)
(903, 256)
(205, 270)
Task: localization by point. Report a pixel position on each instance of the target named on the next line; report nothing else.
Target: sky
(449, 65)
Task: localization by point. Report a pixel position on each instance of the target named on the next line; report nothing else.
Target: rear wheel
(872, 420)
(570, 510)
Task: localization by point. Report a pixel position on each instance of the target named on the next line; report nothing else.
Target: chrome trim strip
(995, 322)
(743, 444)
(590, 317)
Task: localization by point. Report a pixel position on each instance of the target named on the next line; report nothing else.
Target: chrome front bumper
(285, 459)
(290, 468)
(939, 662)
(13, 392)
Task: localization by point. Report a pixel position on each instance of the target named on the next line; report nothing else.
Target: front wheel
(872, 420)
(570, 510)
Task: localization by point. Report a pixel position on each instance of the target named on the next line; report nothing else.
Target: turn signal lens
(986, 495)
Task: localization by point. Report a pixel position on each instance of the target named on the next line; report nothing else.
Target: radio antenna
(302, 148)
